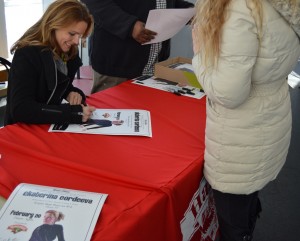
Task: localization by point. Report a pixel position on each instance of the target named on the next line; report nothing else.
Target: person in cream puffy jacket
(244, 51)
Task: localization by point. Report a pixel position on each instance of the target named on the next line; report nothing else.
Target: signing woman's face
(68, 36)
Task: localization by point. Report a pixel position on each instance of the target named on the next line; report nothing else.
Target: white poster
(34, 212)
(111, 122)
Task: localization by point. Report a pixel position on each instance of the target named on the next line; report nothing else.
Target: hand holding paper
(141, 34)
(167, 22)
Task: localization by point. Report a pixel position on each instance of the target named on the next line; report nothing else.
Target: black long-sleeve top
(48, 232)
(36, 89)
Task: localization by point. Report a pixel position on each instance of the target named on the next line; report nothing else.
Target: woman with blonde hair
(49, 230)
(44, 65)
(243, 53)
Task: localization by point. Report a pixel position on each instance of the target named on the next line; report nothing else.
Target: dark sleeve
(34, 236)
(60, 233)
(28, 94)
(111, 17)
(38, 234)
(72, 69)
(183, 4)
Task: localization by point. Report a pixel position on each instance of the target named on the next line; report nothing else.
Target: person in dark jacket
(49, 230)
(44, 65)
(101, 123)
(116, 50)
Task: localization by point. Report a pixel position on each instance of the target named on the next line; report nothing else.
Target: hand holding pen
(87, 112)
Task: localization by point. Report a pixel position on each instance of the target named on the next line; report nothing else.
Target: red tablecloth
(150, 181)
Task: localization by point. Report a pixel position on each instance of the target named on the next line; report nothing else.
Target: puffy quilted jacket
(248, 126)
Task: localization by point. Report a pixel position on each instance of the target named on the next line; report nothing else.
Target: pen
(176, 93)
(190, 93)
(187, 89)
(143, 77)
(181, 91)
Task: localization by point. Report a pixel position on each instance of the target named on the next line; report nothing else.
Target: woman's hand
(87, 112)
(74, 98)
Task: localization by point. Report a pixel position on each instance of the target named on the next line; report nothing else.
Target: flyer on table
(112, 122)
(33, 211)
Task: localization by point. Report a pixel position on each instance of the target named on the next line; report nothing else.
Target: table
(154, 184)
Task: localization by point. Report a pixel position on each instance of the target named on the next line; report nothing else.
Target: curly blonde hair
(208, 22)
(59, 14)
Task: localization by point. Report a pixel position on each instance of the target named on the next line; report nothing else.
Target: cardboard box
(178, 69)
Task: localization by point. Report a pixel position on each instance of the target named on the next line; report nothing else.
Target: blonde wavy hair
(208, 22)
(58, 215)
(59, 14)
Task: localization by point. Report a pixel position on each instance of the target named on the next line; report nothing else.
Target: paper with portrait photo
(111, 122)
(31, 209)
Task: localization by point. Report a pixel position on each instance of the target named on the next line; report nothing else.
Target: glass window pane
(20, 15)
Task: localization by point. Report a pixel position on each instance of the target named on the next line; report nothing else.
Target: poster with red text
(111, 122)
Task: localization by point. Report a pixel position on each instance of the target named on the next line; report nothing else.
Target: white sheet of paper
(132, 122)
(169, 86)
(168, 22)
(23, 212)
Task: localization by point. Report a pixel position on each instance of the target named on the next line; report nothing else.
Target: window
(19, 16)
(16, 16)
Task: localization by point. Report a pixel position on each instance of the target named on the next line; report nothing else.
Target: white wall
(181, 43)
(46, 3)
(85, 55)
(3, 39)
